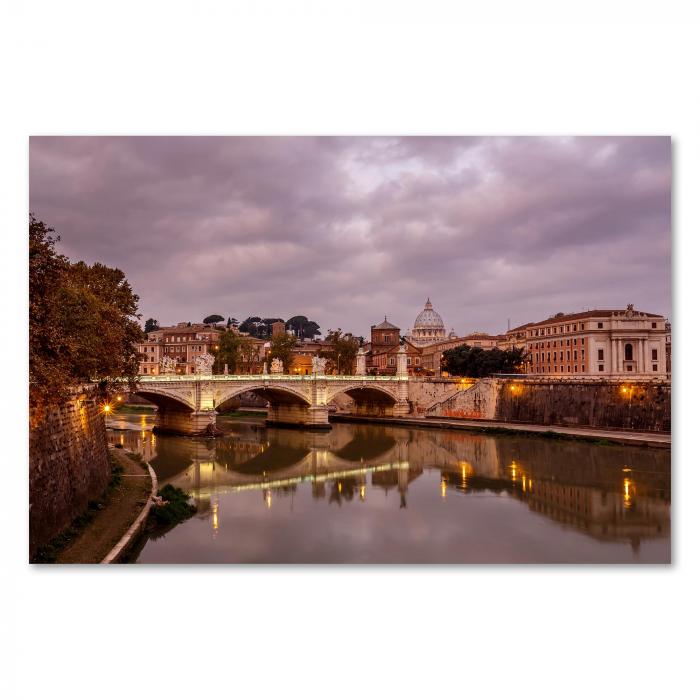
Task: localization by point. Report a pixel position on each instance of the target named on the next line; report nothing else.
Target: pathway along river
(384, 494)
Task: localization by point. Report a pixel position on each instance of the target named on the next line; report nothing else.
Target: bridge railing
(146, 378)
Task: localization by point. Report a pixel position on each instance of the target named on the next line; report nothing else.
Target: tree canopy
(82, 323)
(282, 347)
(303, 328)
(236, 351)
(469, 361)
(214, 318)
(151, 325)
(342, 353)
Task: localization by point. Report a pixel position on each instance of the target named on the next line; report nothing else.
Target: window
(575, 354)
(408, 361)
(600, 324)
(581, 326)
(600, 354)
(601, 368)
(629, 368)
(654, 354)
(655, 368)
(583, 341)
(568, 368)
(386, 338)
(575, 368)
(568, 354)
(653, 325)
(628, 352)
(392, 361)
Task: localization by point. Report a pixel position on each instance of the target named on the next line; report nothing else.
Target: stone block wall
(644, 406)
(477, 402)
(68, 467)
(423, 396)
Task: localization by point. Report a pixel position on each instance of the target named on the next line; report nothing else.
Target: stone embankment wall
(424, 396)
(476, 402)
(68, 467)
(644, 406)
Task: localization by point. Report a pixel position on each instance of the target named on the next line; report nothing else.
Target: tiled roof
(593, 313)
(385, 325)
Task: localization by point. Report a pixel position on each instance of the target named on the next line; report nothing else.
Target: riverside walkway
(121, 508)
(623, 437)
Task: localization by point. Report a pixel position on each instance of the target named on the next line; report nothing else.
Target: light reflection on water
(370, 493)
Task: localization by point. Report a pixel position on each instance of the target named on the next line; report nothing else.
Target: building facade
(598, 343)
(182, 344)
(382, 351)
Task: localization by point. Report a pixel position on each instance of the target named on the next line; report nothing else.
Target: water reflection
(384, 486)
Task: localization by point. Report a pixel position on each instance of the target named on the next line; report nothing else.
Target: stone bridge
(189, 404)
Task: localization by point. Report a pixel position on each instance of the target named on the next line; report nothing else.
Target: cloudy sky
(347, 229)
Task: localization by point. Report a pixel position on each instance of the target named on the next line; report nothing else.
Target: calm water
(381, 494)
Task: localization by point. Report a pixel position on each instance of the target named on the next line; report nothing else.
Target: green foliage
(468, 361)
(82, 323)
(282, 347)
(177, 509)
(151, 325)
(262, 327)
(341, 355)
(302, 327)
(214, 318)
(236, 351)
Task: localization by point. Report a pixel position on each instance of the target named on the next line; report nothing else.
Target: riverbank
(658, 440)
(126, 503)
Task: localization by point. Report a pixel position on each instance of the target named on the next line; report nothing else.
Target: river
(385, 494)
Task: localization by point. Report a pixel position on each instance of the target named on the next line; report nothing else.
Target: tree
(302, 327)
(236, 351)
(468, 361)
(342, 352)
(214, 318)
(282, 347)
(151, 325)
(82, 323)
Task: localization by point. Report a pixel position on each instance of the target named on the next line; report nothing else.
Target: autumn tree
(83, 323)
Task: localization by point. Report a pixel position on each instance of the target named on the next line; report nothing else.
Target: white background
(353, 68)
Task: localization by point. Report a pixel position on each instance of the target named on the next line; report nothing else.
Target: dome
(428, 318)
(428, 328)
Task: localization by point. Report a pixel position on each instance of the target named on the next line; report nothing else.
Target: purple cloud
(347, 229)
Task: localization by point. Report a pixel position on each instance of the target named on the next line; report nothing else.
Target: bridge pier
(298, 415)
(183, 421)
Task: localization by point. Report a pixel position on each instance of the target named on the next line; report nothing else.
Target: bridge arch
(276, 395)
(165, 399)
(365, 393)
